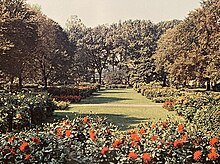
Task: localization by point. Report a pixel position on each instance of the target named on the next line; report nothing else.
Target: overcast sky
(95, 12)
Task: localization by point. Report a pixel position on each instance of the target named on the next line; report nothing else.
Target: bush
(19, 110)
(200, 109)
(93, 140)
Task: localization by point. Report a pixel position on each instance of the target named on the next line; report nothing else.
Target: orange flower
(185, 137)
(24, 146)
(142, 130)
(213, 141)
(154, 138)
(36, 140)
(133, 155)
(195, 143)
(11, 139)
(165, 125)
(27, 157)
(178, 143)
(68, 132)
(180, 128)
(18, 115)
(197, 155)
(146, 157)
(104, 150)
(213, 155)
(59, 132)
(117, 143)
(92, 135)
(153, 126)
(85, 120)
(135, 137)
(134, 144)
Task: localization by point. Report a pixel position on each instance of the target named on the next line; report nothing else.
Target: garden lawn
(126, 116)
(117, 96)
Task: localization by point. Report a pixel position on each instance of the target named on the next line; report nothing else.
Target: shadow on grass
(122, 121)
(101, 100)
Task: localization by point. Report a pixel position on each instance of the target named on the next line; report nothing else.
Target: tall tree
(19, 30)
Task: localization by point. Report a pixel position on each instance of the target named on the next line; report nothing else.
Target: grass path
(124, 107)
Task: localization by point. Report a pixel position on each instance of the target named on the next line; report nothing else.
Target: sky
(96, 12)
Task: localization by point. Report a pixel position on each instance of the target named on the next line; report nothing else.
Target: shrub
(19, 110)
(200, 109)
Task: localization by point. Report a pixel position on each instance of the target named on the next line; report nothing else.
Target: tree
(53, 49)
(18, 32)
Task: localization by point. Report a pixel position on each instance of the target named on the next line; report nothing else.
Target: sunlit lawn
(117, 96)
(124, 117)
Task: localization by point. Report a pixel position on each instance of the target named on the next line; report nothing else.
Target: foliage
(20, 110)
(93, 140)
(200, 109)
(189, 50)
(157, 93)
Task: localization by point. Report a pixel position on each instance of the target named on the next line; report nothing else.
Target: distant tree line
(35, 49)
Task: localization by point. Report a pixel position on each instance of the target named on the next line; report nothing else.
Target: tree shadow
(122, 121)
(101, 100)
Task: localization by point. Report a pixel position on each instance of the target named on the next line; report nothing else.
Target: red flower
(13, 151)
(85, 120)
(133, 155)
(24, 146)
(135, 137)
(197, 155)
(36, 140)
(11, 139)
(142, 130)
(180, 128)
(117, 143)
(92, 135)
(27, 157)
(178, 143)
(146, 158)
(68, 132)
(213, 155)
(154, 138)
(213, 141)
(104, 150)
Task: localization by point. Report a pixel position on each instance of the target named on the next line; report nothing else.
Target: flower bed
(93, 140)
(20, 110)
(72, 99)
(71, 94)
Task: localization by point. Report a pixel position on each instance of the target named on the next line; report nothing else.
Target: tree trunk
(93, 76)
(10, 121)
(208, 85)
(20, 82)
(45, 82)
(164, 81)
(100, 76)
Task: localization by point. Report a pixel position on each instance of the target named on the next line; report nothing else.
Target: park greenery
(44, 68)
(37, 50)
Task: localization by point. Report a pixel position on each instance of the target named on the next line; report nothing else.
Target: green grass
(125, 117)
(116, 96)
